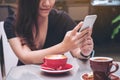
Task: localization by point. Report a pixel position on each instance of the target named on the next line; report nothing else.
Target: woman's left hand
(87, 45)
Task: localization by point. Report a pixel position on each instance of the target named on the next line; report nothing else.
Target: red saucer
(67, 66)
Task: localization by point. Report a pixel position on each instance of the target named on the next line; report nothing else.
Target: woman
(40, 30)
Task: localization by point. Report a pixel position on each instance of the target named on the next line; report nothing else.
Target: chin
(44, 15)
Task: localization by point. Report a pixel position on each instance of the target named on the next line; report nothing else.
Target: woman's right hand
(73, 38)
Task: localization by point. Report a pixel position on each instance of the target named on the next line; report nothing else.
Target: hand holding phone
(88, 22)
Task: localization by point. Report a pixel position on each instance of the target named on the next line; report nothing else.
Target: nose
(46, 3)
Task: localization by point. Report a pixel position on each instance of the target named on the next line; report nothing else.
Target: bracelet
(91, 55)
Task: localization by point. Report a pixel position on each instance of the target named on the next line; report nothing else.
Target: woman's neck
(42, 21)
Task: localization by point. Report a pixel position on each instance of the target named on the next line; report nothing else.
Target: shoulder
(8, 26)
(11, 17)
(9, 20)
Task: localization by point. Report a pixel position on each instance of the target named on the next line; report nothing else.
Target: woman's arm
(28, 56)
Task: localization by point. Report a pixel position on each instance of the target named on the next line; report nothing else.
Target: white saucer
(91, 73)
(57, 71)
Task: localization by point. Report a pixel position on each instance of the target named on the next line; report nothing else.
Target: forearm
(37, 56)
(28, 56)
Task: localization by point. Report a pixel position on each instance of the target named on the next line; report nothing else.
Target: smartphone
(88, 22)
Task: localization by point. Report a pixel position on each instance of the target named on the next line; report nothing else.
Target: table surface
(33, 72)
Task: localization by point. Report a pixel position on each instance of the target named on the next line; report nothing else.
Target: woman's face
(45, 6)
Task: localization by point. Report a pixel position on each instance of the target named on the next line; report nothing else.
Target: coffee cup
(55, 62)
(101, 67)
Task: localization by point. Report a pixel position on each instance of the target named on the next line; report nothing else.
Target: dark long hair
(26, 19)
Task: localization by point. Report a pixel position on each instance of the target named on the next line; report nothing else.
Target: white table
(33, 72)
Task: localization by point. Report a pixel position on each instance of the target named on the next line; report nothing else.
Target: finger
(88, 43)
(78, 39)
(82, 38)
(87, 48)
(90, 31)
(85, 32)
(77, 27)
(89, 38)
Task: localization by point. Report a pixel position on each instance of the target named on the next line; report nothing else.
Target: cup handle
(116, 67)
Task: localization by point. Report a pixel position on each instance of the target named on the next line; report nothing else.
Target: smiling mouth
(45, 10)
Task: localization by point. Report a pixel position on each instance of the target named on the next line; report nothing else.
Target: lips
(45, 10)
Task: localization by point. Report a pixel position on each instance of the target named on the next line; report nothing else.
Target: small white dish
(88, 73)
(112, 76)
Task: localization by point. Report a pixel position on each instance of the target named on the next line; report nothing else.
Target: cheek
(52, 5)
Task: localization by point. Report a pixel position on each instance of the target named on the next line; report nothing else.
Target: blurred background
(106, 25)
(107, 11)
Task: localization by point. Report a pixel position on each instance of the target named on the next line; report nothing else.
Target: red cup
(56, 62)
